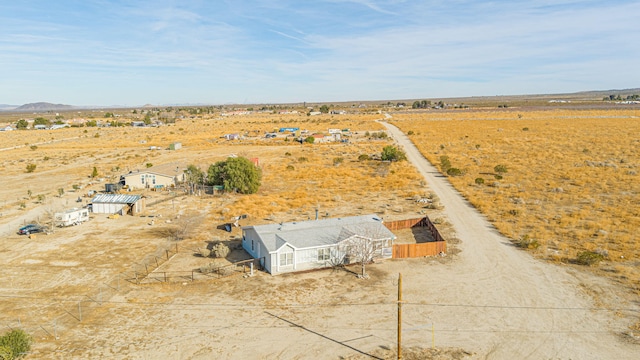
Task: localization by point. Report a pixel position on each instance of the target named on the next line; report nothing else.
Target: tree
(15, 344)
(363, 244)
(310, 140)
(194, 176)
(41, 121)
(94, 173)
(392, 153)
(236, 174)
(22, 124)
(324, 109)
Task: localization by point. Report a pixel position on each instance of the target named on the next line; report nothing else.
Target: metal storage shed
(117, 204)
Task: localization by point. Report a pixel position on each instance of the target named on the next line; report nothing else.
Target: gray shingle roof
(318, 233)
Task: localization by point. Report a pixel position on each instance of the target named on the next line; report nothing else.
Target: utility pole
(399, 316)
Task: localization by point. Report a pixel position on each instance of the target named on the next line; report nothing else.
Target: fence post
(165, 276)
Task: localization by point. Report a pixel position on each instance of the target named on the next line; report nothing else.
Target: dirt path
(501, 302)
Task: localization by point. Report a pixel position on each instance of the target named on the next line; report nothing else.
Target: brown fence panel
(402, 251)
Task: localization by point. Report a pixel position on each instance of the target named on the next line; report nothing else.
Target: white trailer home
(70, 217)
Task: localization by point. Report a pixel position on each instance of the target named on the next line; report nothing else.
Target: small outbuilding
(117, 204)
(305, 245)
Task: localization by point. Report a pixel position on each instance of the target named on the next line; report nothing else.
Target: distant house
(160, 176)
(297, 246)
(138, 124)
(117, 204)
(40, 127)
(231, 136)
(59, 126)
(6, 128)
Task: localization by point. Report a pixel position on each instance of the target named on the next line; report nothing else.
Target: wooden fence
(431, 248)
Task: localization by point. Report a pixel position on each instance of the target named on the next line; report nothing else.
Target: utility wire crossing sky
(131, 53)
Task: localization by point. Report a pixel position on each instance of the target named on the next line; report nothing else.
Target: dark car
(30, 229)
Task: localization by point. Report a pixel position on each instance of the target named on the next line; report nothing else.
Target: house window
(252, 245)
(324, 254)
(286, 259)
(142, 178)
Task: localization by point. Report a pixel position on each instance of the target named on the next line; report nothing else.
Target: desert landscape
(511, 285)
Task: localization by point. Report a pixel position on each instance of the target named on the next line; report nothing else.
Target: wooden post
(165, 276)
(399, 316)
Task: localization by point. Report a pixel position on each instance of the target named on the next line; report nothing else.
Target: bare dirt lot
(73, 289)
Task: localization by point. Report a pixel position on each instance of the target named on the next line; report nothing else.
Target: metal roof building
(117, 204)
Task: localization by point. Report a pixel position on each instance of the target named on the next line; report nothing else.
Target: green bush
(445, 163)
(290, 167)
(310, 140)
(392, 153)
(363, 157)
(237, 174)
(479, 181)
(589, 258)
(338, 160)
(17, 341)
(500, 169)
(31, 168)
(454, 172)
(526, 242)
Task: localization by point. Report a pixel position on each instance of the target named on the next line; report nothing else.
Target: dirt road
(501, 302)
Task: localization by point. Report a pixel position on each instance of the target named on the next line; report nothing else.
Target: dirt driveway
(503, 304)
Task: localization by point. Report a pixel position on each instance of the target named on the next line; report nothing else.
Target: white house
(160, 176)
(297, 246)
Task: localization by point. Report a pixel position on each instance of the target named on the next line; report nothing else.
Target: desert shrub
(310, 140)
(220, 250)
(31, 168)
(287, 154)
(410, 132)
(454, 172)
(338, 160)
(33, 147)
(589, 258)
(392, 153)
(17, 341)
(41, 198)
(148, 165)
(97, 135)
(363, 157)
(525, 129)
(497, 176)
(204, 252)
(302, 159)
(445, 163)
(500, 169)
(479, 181)
(290, 167)
(46, 158)
(525, 242)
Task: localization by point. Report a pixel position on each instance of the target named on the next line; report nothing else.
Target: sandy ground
(501, 303)
(70, 289)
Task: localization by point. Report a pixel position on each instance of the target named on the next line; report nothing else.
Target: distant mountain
(43, 106)
(7, 107)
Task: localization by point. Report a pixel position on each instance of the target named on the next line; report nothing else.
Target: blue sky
(129, 53)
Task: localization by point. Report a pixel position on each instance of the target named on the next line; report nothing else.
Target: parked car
(31, 229)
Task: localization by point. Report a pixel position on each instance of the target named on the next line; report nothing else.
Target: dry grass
(571, 182)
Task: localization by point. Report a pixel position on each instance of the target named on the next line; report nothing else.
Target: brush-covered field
(562, 183)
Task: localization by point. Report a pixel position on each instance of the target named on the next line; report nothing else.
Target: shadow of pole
(323, 336)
